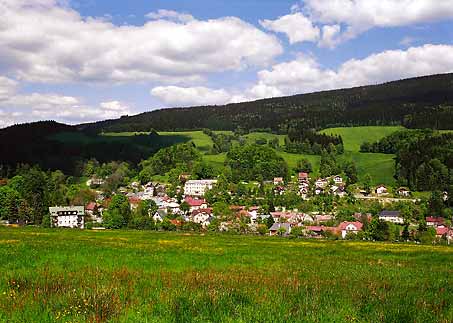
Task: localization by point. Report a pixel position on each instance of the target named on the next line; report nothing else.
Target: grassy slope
(381, 167)
(77, 276)
(353, 137)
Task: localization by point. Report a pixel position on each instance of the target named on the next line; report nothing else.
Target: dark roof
(390, 213)
(277, 226)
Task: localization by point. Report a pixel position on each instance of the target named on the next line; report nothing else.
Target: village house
(391, 216)
(321, 183)
(434, 221)
(134, 202)
(319, 230)
(402, 191)
(303, 177)
(337, 179)
(338, 190)
(277, 228)
(160, 215)
(67, 216)
(381, 190)
(94, 211)
(95, 181)
(195, 203)
(200, 216)
(278, 181)
(198, 187)
(322, 218)
(349, 228)
(444, 232)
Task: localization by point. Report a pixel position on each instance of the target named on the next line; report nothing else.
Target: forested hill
(423, 102)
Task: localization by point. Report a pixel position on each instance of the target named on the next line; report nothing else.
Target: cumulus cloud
(7, 87)
(358, 16)
(296, 26)
(170, 14)
(187, 96)
(305, 75)
(18, 107)
(41, 41)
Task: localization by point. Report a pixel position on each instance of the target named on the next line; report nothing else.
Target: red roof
(303, 175)
(194, 202)
(435, 219)
(134, 200)
(200, 211)
(440, 231)
(91, 206)
(343, 225)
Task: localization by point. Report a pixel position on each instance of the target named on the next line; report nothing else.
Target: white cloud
(187, 96)
(20, 107)
(359, 16)
(7, 87)
(330, 35)
(170, 14)
(408, 40)
(296, 26)
(305, 75)
(43, 42)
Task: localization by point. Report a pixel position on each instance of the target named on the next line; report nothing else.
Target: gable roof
(386, 213)
(194, 202)
(434, 219)
(91, 206)
(277, 226)
(344, 225)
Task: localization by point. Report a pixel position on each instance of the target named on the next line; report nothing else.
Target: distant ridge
(421, 102)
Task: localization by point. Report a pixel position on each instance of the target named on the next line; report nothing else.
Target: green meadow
(380, 166)
(138, 276)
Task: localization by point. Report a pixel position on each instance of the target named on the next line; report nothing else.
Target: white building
(391, 216)
(67, 216)
(198, 187)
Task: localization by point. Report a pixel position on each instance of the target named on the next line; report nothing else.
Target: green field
(379, 166)
(353, 137)
(126, 276)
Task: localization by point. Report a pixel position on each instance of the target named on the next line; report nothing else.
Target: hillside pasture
(138, 276)
(353, 137)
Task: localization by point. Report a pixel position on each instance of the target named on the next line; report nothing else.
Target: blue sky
(85, 60)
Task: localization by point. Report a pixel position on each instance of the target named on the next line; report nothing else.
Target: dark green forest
(423, 102)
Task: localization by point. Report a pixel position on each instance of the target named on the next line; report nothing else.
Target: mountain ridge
(395, 102)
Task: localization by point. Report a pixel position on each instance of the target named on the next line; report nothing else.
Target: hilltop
(422, 102)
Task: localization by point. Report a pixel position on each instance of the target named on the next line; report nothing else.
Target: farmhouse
(349, 227)
(391, 216)
(303, 177)
(338, 180)
(198, 187)
(196, 204)
(402, 191)
(67, 216)
(381, 190)
(276, 228)
(434, 221)
(278, 181)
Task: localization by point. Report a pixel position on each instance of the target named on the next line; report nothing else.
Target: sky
(77, 61)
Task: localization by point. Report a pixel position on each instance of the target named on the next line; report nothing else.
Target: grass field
(379, 166)
(353, 137)
(125, 276)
